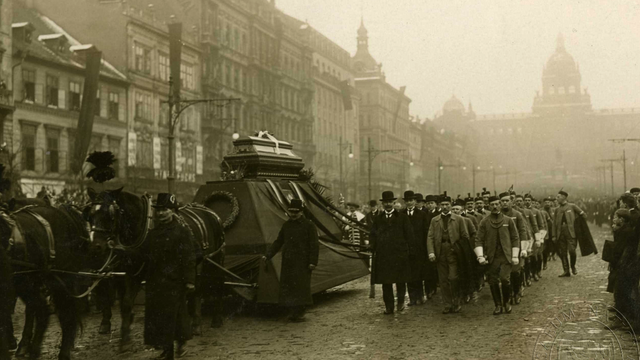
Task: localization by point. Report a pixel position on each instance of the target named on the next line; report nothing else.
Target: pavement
(558, 318)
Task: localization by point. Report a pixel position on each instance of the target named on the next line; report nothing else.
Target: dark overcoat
(391, 241)
(171, 265)
(621, 238)
(298, 240)
(491, 229)
(419, 257)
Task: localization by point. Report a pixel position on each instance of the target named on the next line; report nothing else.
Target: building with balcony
(6, 82)
(48, 74)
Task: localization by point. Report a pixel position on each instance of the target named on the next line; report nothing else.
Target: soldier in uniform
(445, 230)
(391, 243)
(516, 269)
(469, 283)
(532, 228)
(498, 245)
(536, 251)
(480, 206)
(171, 273)
(565, 235)
(549, 247)
(418, 257)
(298, 239)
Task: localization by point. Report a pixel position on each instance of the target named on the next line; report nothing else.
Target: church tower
(363, 62)
(561, 92)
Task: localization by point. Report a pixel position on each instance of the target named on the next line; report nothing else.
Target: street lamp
(477, 169)
(371, 154)
(235, 135)
(441, 167)
(343, 145)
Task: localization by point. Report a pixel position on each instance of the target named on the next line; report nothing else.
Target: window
(142, 58)
(163, 118)
(28, 147)
(53, 147)
(113, 110)
(144, 155)
(114, 147)
(74, 95)
(164, 71)
(186, 76)
(29, 85)
(52, 90)
(143, 106)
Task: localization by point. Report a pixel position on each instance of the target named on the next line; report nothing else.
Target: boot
(400, 303)
(497, 301)
(544, 261)
(574, 258)
(372, 292)
(565, 266)
(516, 287)
(506, 294)
(526, 271)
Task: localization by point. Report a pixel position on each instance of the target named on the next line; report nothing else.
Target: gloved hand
(191, 288)
(538, 243)
(523, 254)
(432, 257)
(482, 260)
(515, 261)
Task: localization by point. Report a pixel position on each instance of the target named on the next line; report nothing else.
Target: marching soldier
(391, 241)
(516, 269)
(171, 273)
(468, 284)
(536, 256)
(485, 199)
(418, 257)
(445, 230)
(467, 210)
(565, 235)
(498, 245)
(532, 226)
(549, 247)
(480, 206)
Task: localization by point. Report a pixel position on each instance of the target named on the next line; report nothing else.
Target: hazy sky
(492, 51)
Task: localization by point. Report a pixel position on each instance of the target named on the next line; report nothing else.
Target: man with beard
(467, 211)
(549, 247)
(418, 257)
(171, 273)
(535, 257)
(480, 206)
(445, 230)
(298, 239)
(498, 245)
(391, 243)
(565, 233)
(516, 269)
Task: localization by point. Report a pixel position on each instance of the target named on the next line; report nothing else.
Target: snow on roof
(19, 25)
(73, 41)
(81, 47)
(49, 37)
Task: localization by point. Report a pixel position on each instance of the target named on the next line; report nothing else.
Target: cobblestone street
(346, 324)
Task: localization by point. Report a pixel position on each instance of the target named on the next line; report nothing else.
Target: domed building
(561, 92)
(453, 105)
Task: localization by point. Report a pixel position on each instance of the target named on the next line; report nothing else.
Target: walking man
(171, 273)
(445, 230)
(516, 268)
(419, 259)
(391, 243)
(498, 245)
(565, 234)
(298, 240)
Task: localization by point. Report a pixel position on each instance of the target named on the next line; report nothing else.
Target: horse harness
(17, 238)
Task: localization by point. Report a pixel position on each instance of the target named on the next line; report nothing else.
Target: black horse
(120, 221)
(46, 247)
(6, 306)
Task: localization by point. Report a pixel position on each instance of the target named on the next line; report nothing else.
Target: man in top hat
(298, 240)
(445, 230)
(419, 259)
(171, 273)
(564, 232)
(498, 245)
(391, 242)
(420, 203)
(507, 209)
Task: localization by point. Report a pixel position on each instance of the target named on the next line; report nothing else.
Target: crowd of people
(422, 243)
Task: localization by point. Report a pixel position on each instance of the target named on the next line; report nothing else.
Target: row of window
(144, 64)
(143, 111)
(561, 90)
(51, 156)
(51, 95)
(145, 156)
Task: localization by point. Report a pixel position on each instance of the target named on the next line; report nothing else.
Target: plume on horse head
(102, 160)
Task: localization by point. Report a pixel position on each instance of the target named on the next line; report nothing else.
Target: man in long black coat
(431, 281)
(171, 273)
(369, 219)
(419, 258)
(298, 239)
(391, 241)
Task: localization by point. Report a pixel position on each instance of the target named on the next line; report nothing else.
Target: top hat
(351, 203)
(295, 205)
(419, 197)
(409, 195)
(388, 196)
(563, 193)
(166, 200)
(373, 203)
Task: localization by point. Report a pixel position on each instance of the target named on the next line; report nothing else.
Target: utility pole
(611, 161)
(624, 157)
(371, 155)
(341, 146)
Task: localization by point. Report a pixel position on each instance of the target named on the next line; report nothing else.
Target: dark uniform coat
(391, 242)
(298, 240)
(171, 265)
(505, 230)
(419, 258)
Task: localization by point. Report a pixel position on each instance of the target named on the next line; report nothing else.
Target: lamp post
(442, 166)
(344, 145)
(176, 107)
(611, 161)
(372, 153)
